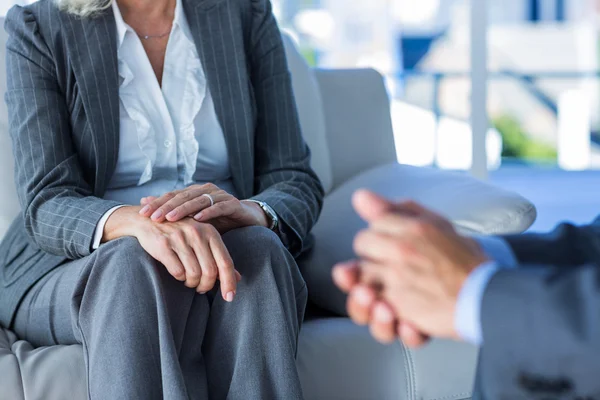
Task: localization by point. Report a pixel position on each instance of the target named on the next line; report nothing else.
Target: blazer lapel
(217, 32)
(92, 46)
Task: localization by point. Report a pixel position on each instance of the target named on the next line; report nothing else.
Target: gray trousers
(146, 336)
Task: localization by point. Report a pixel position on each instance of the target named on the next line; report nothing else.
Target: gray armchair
(345, 118)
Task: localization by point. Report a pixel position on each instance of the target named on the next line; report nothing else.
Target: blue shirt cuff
(497, 249)
(468, 308)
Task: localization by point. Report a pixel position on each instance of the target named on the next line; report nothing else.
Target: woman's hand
(225, 214)
(192, 252)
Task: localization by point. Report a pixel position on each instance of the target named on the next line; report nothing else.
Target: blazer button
(168, 143)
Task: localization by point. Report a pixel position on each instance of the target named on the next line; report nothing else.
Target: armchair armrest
(475, 207)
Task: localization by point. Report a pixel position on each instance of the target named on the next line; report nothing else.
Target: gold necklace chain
(162, 35)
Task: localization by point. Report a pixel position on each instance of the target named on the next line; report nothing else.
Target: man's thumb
(371, 206)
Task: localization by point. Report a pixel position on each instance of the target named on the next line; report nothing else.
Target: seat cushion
(336, 360)
(339, 360)
(27, 373)
(475, 207)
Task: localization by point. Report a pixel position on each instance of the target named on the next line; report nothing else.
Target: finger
(167, 257)
(359, 304)
(369, 206)
(410, 336)
(193, 270)
(227, 275)
(146, 200)
(414, 209)
(153, 205)
(190, 207)
(346, 275)
(401, 225)
(208, 266)
(380, 247)
(238, 276)
(218, 210)
(383, 323)
(182, 197)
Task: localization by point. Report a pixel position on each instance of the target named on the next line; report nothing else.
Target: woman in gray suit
(186, 107)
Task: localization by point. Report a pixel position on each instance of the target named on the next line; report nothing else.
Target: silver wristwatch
(271, 214)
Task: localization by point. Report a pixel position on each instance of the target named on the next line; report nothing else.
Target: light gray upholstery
(310, 110)
(345, 117)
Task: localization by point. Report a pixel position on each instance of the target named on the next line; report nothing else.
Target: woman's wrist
(126, 221)
(261, 217)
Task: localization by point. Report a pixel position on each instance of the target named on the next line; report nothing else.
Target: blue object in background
(414, 48)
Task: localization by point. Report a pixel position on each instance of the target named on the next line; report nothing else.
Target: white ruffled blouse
(169, 136)
(170, 133)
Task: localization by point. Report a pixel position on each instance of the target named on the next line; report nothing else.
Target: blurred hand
(363, 304)
(416, 259)
(364, 307)
(226, 214)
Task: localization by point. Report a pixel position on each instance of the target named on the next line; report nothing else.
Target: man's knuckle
(399, 250)
(359, 240)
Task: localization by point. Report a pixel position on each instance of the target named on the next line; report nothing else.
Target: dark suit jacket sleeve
(566, 246)
(541, 321)
(541, 333)
(284, 178)
(58, 208)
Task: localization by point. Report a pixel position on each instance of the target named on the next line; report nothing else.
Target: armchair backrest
(310, 111)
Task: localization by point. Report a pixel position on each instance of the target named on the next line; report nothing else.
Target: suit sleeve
(541, 324)
(59, 210)
(284, 178)
(566, 246)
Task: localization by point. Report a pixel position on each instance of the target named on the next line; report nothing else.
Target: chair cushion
(336, 360)
(475, 207)
(310, 111)
(339, 360)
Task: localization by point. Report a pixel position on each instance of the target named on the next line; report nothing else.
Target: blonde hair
(83, 8)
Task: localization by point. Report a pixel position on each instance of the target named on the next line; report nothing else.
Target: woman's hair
(83, 8)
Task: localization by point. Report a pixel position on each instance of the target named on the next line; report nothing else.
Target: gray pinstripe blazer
(63, 102)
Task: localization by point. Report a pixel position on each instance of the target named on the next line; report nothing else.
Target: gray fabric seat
(346, 121)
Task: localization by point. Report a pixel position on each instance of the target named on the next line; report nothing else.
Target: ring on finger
(212, 201)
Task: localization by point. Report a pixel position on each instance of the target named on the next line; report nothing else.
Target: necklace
(162, 35)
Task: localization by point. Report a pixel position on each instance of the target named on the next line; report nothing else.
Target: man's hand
(418, 261)
(191, 251)
(364, 308)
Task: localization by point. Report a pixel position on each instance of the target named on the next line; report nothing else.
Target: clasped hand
(412, 265)
(185, 235)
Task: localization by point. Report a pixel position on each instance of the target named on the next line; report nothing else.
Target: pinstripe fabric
(62, 98)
